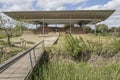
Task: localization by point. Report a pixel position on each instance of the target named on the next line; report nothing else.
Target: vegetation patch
(8, 52)
(76, 71)
(67, 61)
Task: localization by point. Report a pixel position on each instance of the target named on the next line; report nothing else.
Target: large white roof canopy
(61, 17)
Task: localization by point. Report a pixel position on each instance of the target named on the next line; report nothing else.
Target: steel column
(95, 27)
(43, 25)
(70, 24)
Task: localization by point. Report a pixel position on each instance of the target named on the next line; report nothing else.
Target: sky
(48, 5)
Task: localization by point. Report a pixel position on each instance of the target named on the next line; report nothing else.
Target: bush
(2, 42)
(81, 49)
(77, 47)
(2, 36)
(106, 50)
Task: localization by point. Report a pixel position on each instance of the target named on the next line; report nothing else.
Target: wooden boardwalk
(20, 69)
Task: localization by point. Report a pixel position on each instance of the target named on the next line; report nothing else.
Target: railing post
(25, 44)
(22, 44)
(30, 59)
(1, 50)
(43, 45)
(34, 55)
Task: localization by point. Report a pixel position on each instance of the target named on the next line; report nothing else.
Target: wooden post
(25, 42)
(31, 60)
(22, 44)
(1, 50)
(43, 45)
(34, 55)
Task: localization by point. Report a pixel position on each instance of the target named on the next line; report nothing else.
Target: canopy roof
(62, 17)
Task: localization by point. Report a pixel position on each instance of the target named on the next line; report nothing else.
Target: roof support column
(43, 25)
(95, 28)
(70, 24)
(56, 28)
(95, 25)
(36, 26)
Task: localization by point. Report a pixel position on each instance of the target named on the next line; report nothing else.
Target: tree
(80, 23)
(5, 25)
(102, 28)
(21, 26)
(118, 29)
(68, 25)
(113, 29)
(87, 29)
(17, 31)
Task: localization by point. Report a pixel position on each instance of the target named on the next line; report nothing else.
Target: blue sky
(40, 5)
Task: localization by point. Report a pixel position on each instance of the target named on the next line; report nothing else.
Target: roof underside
(62, 17)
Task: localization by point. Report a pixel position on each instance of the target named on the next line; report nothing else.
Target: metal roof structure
(62, 17)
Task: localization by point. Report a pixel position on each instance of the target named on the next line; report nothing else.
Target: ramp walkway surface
(20, 68)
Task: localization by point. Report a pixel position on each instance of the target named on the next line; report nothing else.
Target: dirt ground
(30, 38)
(99, 60)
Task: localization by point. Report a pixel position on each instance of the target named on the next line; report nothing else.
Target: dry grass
(30, 38)
(92, 37)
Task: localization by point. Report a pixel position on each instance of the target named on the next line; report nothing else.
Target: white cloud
(114, 19)
(22, 5)
(15, 1)
(61, 8)
(54, 4)
(113, 4)
(16, 5)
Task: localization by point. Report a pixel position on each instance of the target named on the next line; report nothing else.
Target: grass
(62, 67)
(76, 71)
(102, 45)
(8, 52)
(2, 36)
(92, 37)
(29, 37)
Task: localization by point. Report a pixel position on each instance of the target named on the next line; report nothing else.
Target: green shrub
(2, 42)
(106, 50)
(77, 47)
(2, 36)
(116, 45)
(16, 35)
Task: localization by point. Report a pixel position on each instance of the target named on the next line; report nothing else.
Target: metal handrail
(6, 64)
(40, 57)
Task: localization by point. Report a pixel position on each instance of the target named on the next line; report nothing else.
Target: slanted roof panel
(60, 16)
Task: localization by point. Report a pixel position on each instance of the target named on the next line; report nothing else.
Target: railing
(42, 59)
(31, 51)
